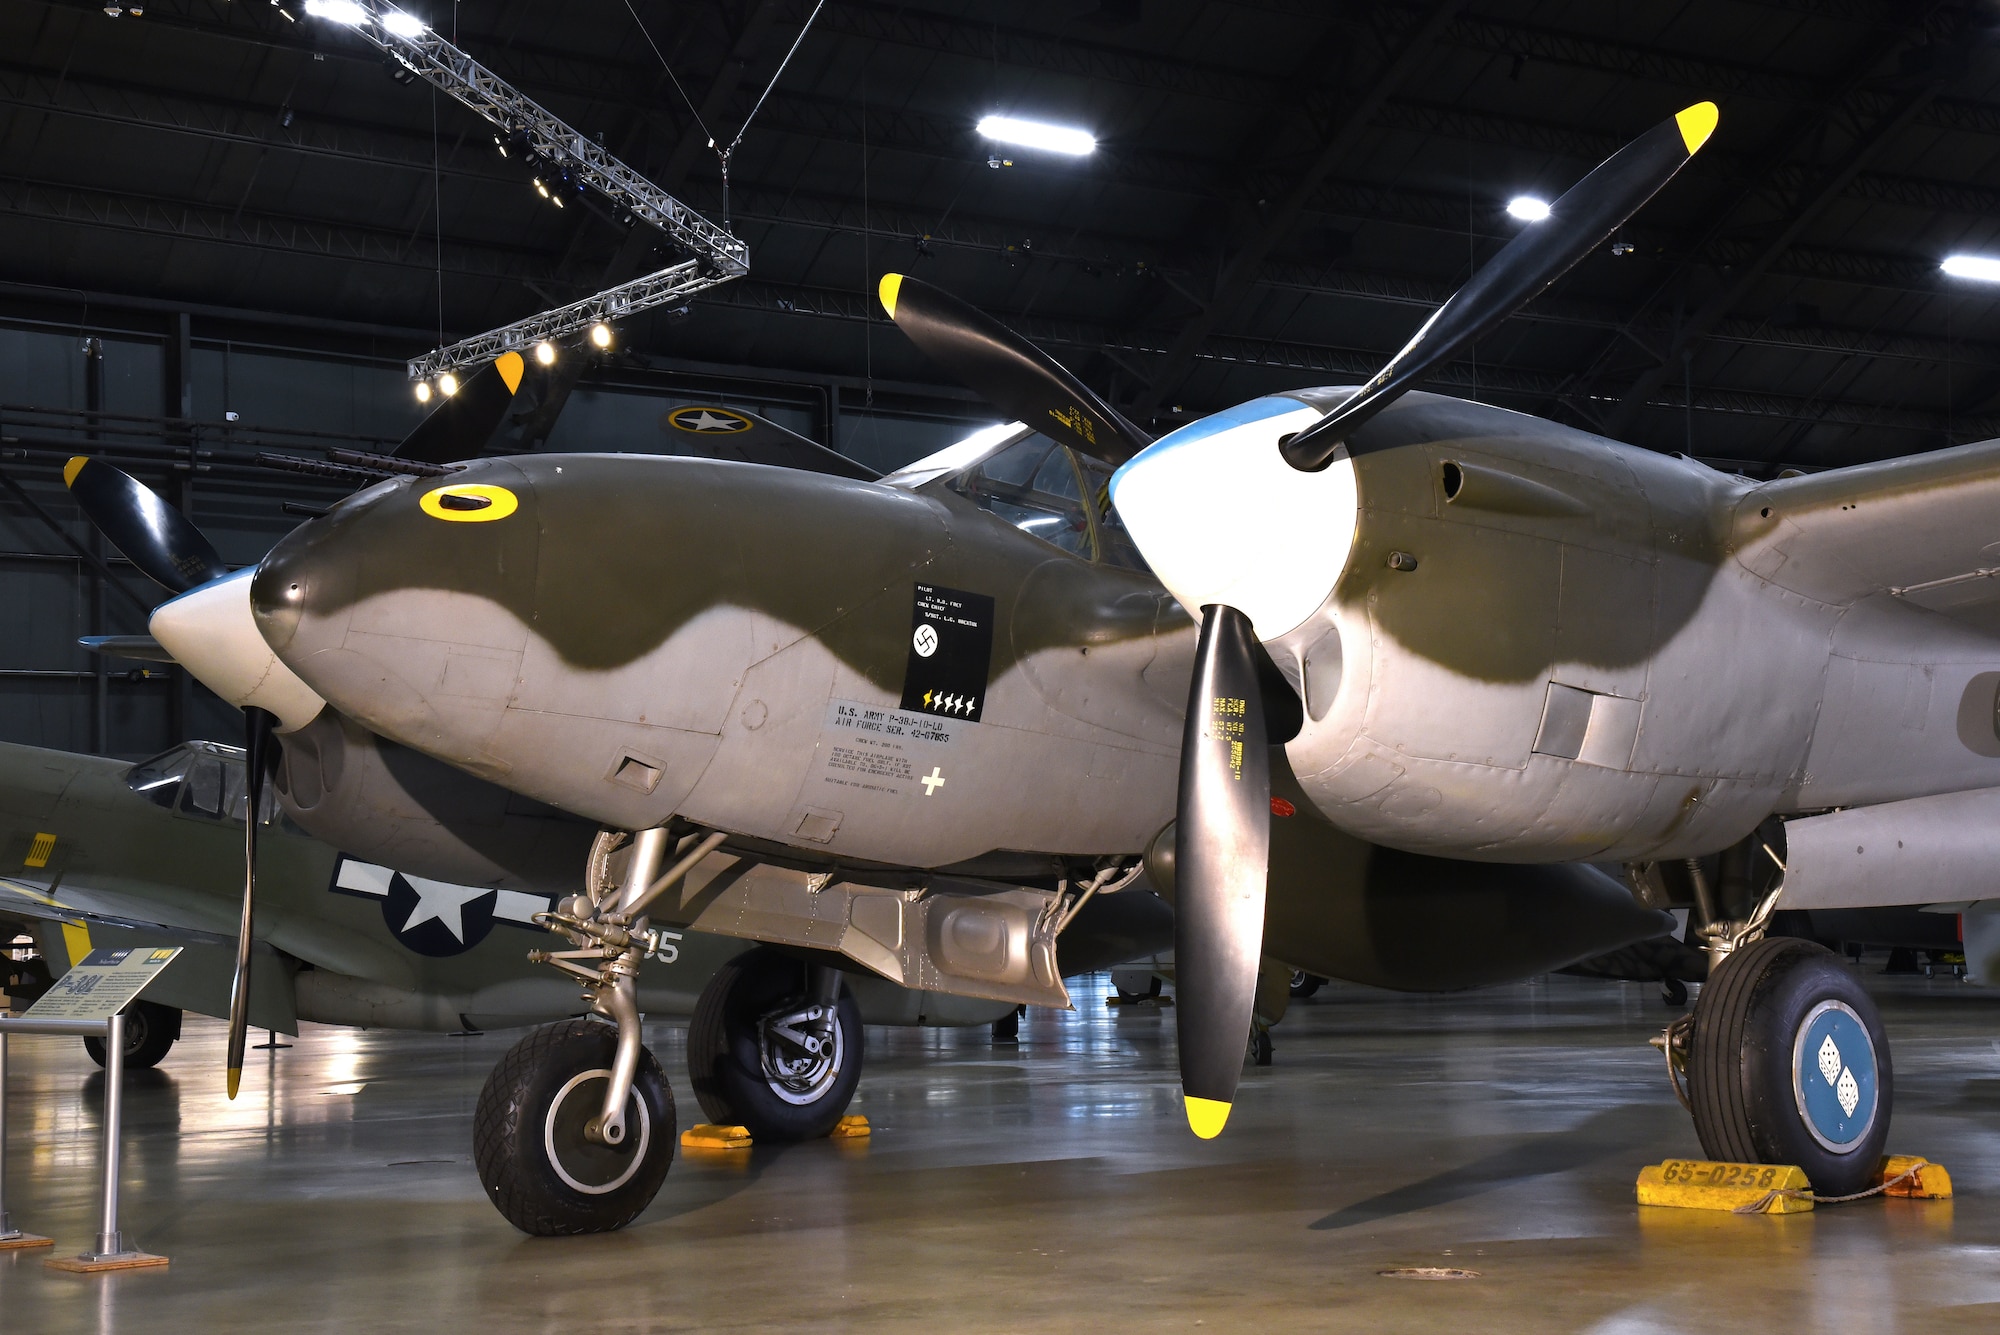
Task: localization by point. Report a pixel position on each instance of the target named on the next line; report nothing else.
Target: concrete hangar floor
(1047, 1186)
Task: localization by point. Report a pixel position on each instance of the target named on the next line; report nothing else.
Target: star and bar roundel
(435, 918)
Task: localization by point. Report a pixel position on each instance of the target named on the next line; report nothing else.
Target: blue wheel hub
(1834, 1076)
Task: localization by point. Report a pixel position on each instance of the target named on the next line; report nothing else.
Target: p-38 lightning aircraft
(1446, 653)
(1482, 639)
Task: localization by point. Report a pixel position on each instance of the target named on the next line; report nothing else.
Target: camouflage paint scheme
(705, 620)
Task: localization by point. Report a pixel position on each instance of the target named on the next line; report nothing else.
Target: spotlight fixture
(541, 188)
(338, 11)
(545, 353)
(1527, 208)
(1064, 139)
(1980, 268)
(114, 10)
(447, 384)
(402, 25)
(500, 144)
(600, 334)
(423, 391)
(1622, 247)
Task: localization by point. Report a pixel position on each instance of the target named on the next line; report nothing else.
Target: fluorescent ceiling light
(1039, 134)
(402, 25)
(339, 11)
(1982, 267)
(1527, 208)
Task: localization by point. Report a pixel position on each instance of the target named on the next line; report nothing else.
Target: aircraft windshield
(202, 779)
(1032, 484)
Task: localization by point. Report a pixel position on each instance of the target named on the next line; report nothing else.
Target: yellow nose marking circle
(469, 502)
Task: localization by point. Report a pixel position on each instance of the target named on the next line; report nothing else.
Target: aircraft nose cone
(402, 594)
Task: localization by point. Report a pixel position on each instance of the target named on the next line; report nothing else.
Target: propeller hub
(1222, 518)
(210, 632)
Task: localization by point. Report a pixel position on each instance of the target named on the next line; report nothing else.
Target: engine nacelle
(1506, 633)
(385, 803)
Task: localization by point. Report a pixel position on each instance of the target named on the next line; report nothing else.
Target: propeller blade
(134, 518)
(1013, 374)
(1592, 210)
(257, 727)
(459, 427)
(1222, 848)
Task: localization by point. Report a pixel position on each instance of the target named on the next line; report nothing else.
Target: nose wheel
(1788, 1063)
(539, 1167)
(775, 1046)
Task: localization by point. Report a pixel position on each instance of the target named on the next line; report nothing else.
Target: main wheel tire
(1790, 1065)
(1305, 984)
(527, 1133)
(746, 1075)
(150, 1031)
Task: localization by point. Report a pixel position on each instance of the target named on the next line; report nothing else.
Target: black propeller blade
(1013, 374)
(1223, 842)
(257, 728)
(1593, 209)
(153, 535)
(459, 427)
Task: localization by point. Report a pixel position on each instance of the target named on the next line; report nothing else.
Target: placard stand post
(114, 1251)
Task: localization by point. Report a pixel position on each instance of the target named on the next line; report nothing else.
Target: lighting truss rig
(717, 256)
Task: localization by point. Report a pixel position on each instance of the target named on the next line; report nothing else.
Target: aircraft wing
(733, 433)
(22, 899)
(1923, 529)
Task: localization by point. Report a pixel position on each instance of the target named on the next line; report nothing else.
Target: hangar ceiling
(1283, 188)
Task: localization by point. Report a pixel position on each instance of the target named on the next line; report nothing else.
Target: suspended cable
(692, 109)
(725, 153)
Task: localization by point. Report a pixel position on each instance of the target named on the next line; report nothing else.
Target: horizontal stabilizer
(708, 431)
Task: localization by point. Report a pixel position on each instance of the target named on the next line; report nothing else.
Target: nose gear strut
(614, 931)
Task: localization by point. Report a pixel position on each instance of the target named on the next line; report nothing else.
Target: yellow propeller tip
(235, 1079)
(72, 468)
(511, 366)
(892, 284)
(1697, 123)
(1206, 1117)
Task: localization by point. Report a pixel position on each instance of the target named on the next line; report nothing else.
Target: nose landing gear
(539, 1165)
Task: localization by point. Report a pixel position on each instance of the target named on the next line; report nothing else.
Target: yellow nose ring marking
(469, 502)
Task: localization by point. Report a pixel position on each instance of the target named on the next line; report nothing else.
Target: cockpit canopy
(1044, 489)
(200, 779)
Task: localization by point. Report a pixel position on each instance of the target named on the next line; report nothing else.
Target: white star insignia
(445, 903)
(708, 421)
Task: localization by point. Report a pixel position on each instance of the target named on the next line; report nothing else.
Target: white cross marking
(933, 781)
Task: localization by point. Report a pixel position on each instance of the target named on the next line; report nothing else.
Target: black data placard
(951, 651)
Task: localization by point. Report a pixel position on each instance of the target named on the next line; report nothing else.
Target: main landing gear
(775, 1046)
(1787, 1063)
(150, 1030)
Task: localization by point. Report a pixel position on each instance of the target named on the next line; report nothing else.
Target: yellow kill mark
(40, 850)
(1697, 124)
(1206, 1117)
